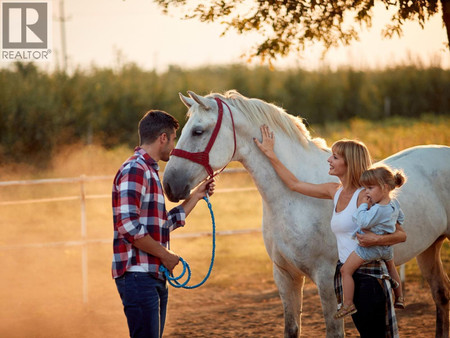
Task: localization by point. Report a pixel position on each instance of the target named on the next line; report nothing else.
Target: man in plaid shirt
(142, 226)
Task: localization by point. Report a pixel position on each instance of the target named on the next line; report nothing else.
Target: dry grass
(387, 137)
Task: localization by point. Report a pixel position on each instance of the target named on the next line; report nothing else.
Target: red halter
(203, 156)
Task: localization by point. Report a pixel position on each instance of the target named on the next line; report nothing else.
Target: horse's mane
(259, 112)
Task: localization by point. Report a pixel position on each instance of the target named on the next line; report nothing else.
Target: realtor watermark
(26, 31)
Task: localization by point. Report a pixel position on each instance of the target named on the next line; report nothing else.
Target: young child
(378, 213)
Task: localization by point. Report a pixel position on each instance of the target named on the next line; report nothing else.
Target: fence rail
(82, 197)
(84, 178)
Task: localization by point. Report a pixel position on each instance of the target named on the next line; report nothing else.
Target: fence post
(84, 253)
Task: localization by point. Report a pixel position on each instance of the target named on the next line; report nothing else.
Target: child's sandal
(345, 311)
(399, 303)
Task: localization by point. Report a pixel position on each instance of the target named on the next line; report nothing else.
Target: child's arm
(366, 218)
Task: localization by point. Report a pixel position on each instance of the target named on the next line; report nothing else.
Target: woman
(348, 161)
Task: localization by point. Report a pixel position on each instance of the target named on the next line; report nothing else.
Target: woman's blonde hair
(383, 175)
(356, 157)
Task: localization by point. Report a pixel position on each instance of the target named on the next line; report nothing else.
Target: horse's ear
(203, 102)
(188, 102)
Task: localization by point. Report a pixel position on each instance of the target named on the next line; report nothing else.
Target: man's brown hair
(155, 123)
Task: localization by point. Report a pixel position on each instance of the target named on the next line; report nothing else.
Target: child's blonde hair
(383, 175)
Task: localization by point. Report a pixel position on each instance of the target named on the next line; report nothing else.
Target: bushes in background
(40, 111)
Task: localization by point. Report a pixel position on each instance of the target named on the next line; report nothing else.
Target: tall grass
(388, 136)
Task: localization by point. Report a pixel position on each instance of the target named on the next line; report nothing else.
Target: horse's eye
(197, 132)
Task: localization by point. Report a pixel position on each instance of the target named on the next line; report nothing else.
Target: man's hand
(189, 203)
(207, 186)
(170, 260)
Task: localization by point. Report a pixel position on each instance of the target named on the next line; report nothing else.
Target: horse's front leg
(291, 292)
(324, 279)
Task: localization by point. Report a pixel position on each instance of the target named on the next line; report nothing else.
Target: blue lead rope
(174, 281)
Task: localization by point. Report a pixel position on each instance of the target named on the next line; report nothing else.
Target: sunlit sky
(102, 32)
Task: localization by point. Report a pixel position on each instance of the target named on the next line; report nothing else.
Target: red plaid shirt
(139, 210)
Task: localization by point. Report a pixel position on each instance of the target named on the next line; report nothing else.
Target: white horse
(296, 228)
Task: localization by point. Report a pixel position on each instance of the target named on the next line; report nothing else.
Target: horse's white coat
(296, 228)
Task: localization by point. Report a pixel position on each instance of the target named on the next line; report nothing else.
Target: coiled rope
(175, 281)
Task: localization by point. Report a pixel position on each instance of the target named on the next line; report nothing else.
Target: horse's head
(207, 143)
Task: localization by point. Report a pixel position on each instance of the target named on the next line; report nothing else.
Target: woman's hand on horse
(268, 141)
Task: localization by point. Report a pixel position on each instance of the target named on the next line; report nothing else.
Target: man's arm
(168, 258)
(370, 239)
(147, 244)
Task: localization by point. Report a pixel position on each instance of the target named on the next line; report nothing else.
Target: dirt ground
(41, 296)
(45, 301)
(257, 312)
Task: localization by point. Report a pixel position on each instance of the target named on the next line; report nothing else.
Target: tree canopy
(286, 26)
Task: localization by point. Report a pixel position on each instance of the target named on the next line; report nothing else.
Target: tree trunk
(446, 17)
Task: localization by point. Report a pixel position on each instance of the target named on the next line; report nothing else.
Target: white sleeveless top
(343, 226)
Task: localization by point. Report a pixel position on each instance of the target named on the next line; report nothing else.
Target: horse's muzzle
(176, 189)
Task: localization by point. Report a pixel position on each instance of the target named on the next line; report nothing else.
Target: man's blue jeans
(144, 300)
